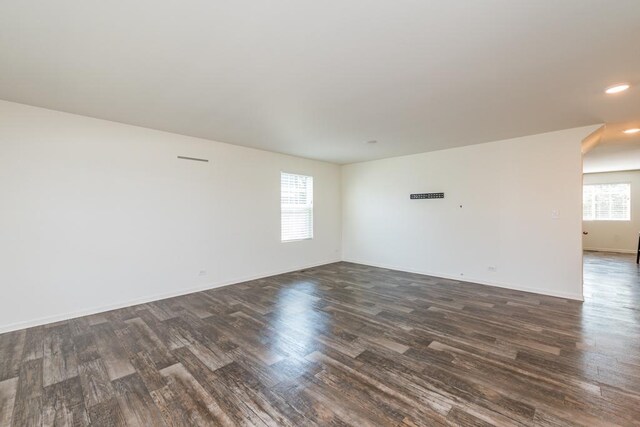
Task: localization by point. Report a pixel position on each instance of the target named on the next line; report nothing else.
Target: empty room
(319, 213)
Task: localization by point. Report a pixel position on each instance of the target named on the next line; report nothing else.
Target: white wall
(507, 190)
(615, 236)
(96, 214)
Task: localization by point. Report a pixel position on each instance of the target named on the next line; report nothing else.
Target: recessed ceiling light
(372, 142)
(620, 87)
(634, 130)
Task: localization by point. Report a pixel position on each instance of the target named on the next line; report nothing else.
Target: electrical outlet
(555, 213)
(202, 273)
(492, 268)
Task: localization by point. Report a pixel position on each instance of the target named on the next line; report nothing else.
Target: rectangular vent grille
(427, 196)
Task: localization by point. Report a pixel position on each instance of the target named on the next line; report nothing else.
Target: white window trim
(608, 219)
(310, 207)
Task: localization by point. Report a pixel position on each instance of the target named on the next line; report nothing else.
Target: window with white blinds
(606, 202)
(296, 207)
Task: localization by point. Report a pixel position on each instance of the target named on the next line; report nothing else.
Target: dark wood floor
(342, 344)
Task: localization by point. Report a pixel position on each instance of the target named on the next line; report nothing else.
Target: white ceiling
(319, 78)
(616, 151)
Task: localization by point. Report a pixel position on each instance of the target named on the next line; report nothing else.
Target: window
(296, 207)
(606, 202)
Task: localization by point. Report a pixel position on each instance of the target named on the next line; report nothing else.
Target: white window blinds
(296, 207)
(606, 202)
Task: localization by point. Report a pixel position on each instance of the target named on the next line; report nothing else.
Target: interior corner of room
(100, 215)
(302, 213)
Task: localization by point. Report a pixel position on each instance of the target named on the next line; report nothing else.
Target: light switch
(555, 213)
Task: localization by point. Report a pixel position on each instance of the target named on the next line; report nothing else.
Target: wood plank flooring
(342, 344)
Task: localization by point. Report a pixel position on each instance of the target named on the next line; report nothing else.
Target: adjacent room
(296, 213)
(611, 216)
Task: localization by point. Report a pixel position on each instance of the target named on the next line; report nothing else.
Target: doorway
(611, 212)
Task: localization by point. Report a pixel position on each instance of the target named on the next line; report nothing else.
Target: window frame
(594, 219)
(309, 207)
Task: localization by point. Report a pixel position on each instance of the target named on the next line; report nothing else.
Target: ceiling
(318, 79)
(616, 150)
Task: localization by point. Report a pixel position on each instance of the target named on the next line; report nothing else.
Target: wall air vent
(426, 196)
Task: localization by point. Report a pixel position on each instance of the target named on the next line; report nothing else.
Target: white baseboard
(617, 251)
(101, 309)
(95, 310)
(545, 292)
